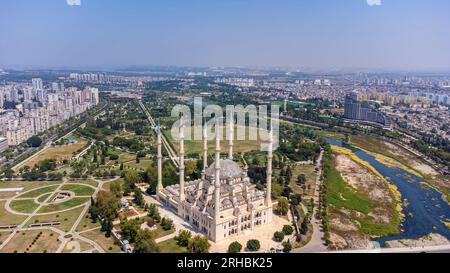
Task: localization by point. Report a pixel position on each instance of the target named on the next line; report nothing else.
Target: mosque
(223, 203)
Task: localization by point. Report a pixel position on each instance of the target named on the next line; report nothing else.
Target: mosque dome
(228, 169)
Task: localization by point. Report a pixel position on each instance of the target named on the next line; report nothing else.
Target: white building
(223, 203)
(3, 144)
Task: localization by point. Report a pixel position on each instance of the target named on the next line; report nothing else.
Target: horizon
(315, 35)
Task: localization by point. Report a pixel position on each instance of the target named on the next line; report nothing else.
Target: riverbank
(363, 204)
(392, 155)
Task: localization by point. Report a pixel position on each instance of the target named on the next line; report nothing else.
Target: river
(425, 208)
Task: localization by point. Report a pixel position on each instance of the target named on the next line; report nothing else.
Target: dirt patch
(362, 179)
(345, 224)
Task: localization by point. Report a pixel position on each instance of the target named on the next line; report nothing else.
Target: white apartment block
(31, 117)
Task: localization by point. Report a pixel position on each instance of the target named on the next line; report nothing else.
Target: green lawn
(44, 197)
(7, 218)
(66, 218)
(25, 206)
(38, 192)
(64, 205)
(170, 246)
(143, 164)
(79, 190)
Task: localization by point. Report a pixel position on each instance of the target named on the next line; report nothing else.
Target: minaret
(269, 171)
(230, 141)
(182, 197)
(217, 176)
(205, 151)
(159, 186)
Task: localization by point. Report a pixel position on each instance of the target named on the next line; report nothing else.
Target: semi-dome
(228, 169)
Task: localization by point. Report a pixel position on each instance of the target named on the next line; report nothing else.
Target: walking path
(172, 154)
(64, 237)
(317, 242)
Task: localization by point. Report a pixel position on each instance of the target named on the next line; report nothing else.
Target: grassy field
(126, 157)
(142, 165)
(44, 197)
(38, 192)
(376, 146)
(7, 218)
(66, 218)
(89, 182)
(86, 224)
(83, 247)
(58, 152)
(79, 190)
(170, 246)
(76, 201)
(197, 146)
(99, 237)
(24, 206)
(23, 242)
(340, 195)
(310, 173)
(26, 185)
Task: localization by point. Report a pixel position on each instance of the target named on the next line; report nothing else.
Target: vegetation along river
(425, 210)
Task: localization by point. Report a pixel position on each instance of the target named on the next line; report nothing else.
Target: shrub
(287, 247)
(183, 238)
(234, 247)
(253, 245)
(278, 236)
(288, 230)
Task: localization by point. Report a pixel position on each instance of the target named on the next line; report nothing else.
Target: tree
(283, 206)
(106, 226)
(199, 244)
(116, 188)
(190, 167)
(304, 227)
(301, 179)
(145, 243)
(166, 223)
(288, 229)
(108, 204)
(138, 197)
(253, 245)
(234, 247)
(129, 229)
(131, 178)
(287, 246)
(183, 238)
(34, 141)
(278, 236)
(94, 211)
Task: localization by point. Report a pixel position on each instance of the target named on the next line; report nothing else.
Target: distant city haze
(322, 34)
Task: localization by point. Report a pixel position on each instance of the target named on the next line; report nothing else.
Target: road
(172, 154)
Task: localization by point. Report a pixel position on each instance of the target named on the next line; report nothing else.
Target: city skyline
(328, 35)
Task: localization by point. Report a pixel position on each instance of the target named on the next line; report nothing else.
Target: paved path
(63, 236)
(172, 154)
(317, 242)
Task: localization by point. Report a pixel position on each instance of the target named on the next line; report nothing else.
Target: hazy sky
(398, 34)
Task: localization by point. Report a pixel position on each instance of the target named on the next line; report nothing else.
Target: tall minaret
(159, 186)
(269, 171)
(217, 175)
(205, 151)
(230, 140)
(182, 197)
